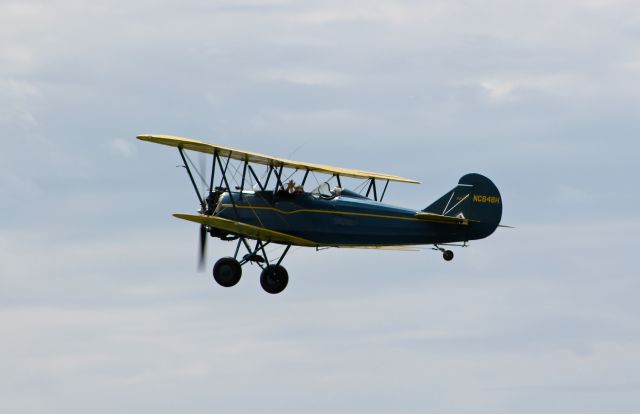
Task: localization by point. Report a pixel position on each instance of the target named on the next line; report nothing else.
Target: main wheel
(274, 279)
(447, 255)
(227, 271)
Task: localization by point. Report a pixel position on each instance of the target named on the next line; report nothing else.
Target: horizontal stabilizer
(439, 218)
(247, 230)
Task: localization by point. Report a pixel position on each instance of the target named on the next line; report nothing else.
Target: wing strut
(256, 177)
(213, 171)
(278, 175)
(195, 187)
(372, 184)
(385, 190)
(266, 181)
(223, 170)
(304, 180)
(224, 178)
(244, 174)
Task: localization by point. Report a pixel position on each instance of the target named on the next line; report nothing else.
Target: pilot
(291, 186)
(337, 191)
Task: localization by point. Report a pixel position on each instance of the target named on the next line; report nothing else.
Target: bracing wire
(198, 173)
(361, 186)
(315, 177)
(236, 172)
(290, 175)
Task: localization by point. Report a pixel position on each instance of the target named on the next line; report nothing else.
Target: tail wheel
(447, 255)
(274, 279)
(227, 271)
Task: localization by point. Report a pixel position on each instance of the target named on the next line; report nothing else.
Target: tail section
(476, 199)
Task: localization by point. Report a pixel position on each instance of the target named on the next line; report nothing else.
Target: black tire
(227, 271)
(447, 255)
(274, 278)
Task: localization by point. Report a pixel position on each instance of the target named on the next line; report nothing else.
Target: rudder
(475, 198)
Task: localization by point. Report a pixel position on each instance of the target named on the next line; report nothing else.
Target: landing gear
(227, 271)
(446, 254)
(274, 279)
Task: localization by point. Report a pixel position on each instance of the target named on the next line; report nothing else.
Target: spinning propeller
(202, 253)
(202, 250)
(207, 204)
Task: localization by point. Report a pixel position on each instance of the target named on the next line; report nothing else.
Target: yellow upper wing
(254, 157)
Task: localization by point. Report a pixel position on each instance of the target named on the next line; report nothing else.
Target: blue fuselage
(349, 219)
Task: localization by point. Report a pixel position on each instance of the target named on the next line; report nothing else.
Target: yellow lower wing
(247, 230)
(255, 232)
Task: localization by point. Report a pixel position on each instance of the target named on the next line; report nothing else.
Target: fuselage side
(343, 220)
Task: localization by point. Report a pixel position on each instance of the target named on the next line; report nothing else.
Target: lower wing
(247, 230)
(264, 234)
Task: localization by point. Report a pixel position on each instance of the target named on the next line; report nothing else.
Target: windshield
(322, 190)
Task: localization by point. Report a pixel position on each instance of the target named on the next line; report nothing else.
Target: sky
(101, 307)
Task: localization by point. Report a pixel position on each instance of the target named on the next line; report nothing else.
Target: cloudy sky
(101, 309)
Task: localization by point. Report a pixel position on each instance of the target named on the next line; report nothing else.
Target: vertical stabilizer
(476, 199)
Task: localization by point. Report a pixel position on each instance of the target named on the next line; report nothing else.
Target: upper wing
(247, 230)
(439, 218)
(254, 157)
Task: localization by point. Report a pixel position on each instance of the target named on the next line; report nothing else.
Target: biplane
(257, 203)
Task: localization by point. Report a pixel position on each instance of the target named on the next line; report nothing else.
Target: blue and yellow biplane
(279, 211)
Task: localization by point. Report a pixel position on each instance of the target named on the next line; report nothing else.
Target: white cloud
(123, 147)
(516, 88)
(498, 89)
(18, 97)
(307, 78)
(18, 89)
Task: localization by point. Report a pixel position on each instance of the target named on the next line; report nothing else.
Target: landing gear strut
(446, 254)
(274, 277)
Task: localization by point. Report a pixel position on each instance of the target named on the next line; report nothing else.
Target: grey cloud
(100, 304)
